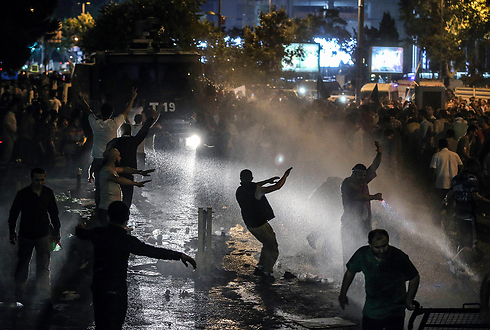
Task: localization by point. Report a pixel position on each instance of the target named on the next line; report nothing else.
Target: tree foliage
(388, 34)
(258, 59)
(23, 23)
(170, 24)
(74, 29)
(264, 45)
(448, 30)
(329, 25)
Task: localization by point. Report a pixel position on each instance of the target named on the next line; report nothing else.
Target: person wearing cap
(356, 219)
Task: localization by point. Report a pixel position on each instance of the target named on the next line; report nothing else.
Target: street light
(360, 57)
(83, 5)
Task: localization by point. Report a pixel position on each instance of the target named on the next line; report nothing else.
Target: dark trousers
(109, 309)
(101, 216)
(97, 165)
(127, 191)
(43, 251)
(390, 323)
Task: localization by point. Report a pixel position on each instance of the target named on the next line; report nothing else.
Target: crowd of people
(448, 149)
(37, 127)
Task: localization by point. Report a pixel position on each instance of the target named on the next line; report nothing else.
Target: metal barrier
(468, 92)
(204, 239)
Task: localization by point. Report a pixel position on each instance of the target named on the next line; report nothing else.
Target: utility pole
(441, 75)
(220, 19)
(360, 58)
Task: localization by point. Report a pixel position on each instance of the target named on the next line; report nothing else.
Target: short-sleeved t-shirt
(109, 191)
(104, 131)
(385, 281)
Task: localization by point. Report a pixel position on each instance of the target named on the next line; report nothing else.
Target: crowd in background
(40, 127)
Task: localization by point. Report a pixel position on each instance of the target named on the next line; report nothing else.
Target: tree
(74, 29)
(447, 30)
(388, 34)
(22, 24)
(328, 25)
(170, 24)
(264, 45)
(259, 58)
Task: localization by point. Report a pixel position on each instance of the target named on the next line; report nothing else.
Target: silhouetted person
(104, 130)
(39, 227)
(386, 270)
(356, 219)
(112, 246)
(465, 196)
(256, 213)
(128, 146)
(111, 181)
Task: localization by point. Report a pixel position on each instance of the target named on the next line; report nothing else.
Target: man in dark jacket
(128, 147)
(112, 246)
(256, 212)
(39, 227)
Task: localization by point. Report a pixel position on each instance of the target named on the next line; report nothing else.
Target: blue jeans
(43, 251)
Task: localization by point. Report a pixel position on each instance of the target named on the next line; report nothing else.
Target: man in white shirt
(110, 182)
(104, 130)
(445, 164)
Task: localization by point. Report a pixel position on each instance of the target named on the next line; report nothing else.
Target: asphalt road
(223, 293)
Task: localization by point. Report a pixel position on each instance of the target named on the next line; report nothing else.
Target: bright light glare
(331, 55)
(302, 90)
(279, 159)
(343, 99)
(193, 141)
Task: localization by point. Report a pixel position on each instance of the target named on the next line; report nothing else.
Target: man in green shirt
(386, 270)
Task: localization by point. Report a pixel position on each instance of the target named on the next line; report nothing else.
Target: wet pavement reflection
(225, 294)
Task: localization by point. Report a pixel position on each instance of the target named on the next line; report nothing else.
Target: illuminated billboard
(387, 59)
(309, 63)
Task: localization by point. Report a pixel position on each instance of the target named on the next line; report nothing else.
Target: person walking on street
(386, 270)
(445, 165)
(356, 200)
(39, 227)
(256, 212)
(112, 246)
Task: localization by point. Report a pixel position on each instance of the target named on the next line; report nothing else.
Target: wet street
(223, 293)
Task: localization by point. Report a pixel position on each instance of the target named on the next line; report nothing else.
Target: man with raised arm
(104, 130)
(111, 182)
(256, 213)
(112, 246)
(356, 199)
